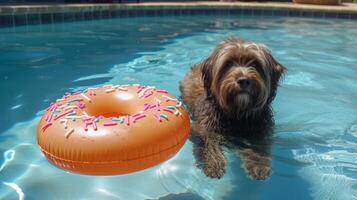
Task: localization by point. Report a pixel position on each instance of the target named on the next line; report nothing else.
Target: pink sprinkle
(127, 120)
(146, 106)
(140, 89)
(53, 106)
(110, 124)
(44, 127)
(139, 117)
(80, 105)
(167, 110)
(94, 125)
(63, 114)
(90, 121)
(137, 114)
(162, 91)
(158, 105)
(66, 95)
(147, 95)
(49, 117)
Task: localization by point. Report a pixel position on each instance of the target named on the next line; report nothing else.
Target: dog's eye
(229, 63)
(255, 64)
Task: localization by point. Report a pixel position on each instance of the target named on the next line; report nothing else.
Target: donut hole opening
(111, 106)
(107, 112)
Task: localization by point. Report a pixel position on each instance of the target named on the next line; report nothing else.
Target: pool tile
(159, 12)
(331, 15)
(344, 15)
(105, 14)
(280, 12)
(88, 15)
(79, 16)
(123, 13)
(6, 20)
(132, 13)
(58, 17)
(294, 13)
(111, 11)
(235, 11)
(140, 13)
(46, 18)
(176, 12)
(150, 13)
(257, 12)
(247, 12)
(214, 11)
(318, 14)
(353, 16)
(33, 18)
(306, 14)
(20, 19)
(68, 17)
(97, 14)
(267, 12)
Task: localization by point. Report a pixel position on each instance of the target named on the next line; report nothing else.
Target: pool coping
(17, 15)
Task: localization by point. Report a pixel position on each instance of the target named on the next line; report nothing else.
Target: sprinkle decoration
(86, 97)
(110, 124)
(71, 107)
(68, 133)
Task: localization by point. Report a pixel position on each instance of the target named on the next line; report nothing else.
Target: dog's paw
(258, 172)
(214, 171)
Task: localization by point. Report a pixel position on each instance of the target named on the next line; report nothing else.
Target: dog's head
(241, 76)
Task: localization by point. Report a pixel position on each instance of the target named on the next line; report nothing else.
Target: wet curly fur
(229, 95)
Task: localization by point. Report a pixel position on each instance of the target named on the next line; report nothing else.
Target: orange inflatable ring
(113, 129)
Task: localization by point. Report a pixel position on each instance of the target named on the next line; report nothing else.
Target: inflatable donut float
(113, 129)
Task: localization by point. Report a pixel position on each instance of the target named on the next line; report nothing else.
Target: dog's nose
(244, 83)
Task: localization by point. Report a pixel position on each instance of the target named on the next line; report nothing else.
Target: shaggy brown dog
(229, 95)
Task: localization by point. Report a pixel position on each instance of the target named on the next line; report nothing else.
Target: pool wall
(18, 15)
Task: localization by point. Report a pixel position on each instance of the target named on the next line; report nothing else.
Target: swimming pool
(315, 110)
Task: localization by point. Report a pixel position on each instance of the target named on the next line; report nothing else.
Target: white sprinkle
(74, 117)
(69, 133)
(86, 97)
(121, 88)
(64, 121)
(69, 107)
(142, 92)
(169, 98)
(84, 112)
(110, 90)
(58, 100)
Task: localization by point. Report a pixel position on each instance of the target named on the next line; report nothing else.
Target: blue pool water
(315, 141)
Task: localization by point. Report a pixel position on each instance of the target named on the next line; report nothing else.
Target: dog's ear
(277, 68)
(206, 67)
(276, 71)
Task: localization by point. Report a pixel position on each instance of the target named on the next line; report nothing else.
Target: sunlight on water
(315, 146)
